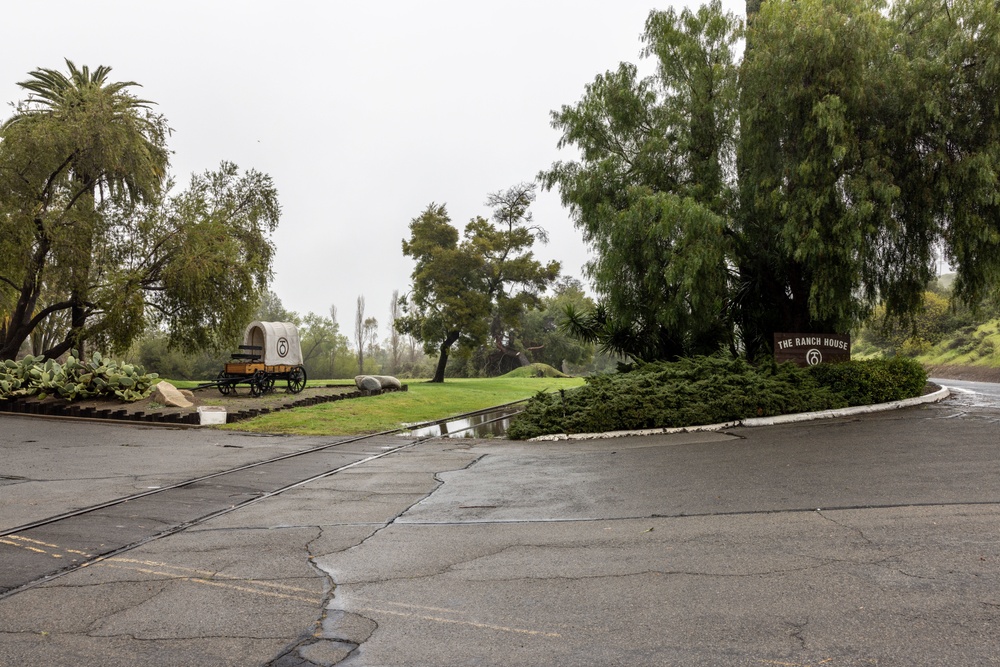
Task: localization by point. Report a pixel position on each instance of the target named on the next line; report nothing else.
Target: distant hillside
(972, 353)
(946, 281)
(970, 346)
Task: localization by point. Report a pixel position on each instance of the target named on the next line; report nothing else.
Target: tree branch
(45, 312)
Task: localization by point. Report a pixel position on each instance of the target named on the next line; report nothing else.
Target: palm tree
(142, 163)
(106, 143)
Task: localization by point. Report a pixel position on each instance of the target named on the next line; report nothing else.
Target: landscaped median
(717, 391)
(318, 410)
(931, 397)
(652, 398)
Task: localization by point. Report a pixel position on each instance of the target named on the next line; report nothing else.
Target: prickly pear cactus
(74, 380)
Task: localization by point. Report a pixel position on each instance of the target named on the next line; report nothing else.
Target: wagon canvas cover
(279, 342)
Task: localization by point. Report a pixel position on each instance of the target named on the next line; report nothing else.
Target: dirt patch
(242, 400)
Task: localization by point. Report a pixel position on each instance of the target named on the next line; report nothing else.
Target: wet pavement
(981, 398)
(872, 540)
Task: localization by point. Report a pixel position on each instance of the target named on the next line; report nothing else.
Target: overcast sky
(362, 113)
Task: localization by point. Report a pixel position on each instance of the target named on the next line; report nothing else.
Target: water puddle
(492, 424)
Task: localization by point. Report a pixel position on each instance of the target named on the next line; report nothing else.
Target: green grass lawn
(422, 402)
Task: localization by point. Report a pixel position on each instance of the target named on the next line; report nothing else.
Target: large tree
(77, 137)
(881, 144)
(92, 246)
(652, 187)
(465, 291)
(865, 139)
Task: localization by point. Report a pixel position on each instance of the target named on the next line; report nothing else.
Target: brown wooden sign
(811, 349)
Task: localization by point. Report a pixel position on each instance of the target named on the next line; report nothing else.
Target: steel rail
(202, 519)
(226, 510)
(247, 466)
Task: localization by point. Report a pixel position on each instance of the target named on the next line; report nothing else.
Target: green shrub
(873, 380)
(74, 380)
(711, 390)
(701, 390)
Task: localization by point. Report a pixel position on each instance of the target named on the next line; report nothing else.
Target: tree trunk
(18, 326)
(67, 345)
(522, 358)
(78, 319)
(443, 356)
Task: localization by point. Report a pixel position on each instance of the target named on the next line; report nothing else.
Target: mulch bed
(239, 405)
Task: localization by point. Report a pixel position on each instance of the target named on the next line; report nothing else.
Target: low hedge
(873, 380)
(711, 390)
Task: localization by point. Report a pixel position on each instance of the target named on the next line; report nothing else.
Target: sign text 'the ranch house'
(811, 349)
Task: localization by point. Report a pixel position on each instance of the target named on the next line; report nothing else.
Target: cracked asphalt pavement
(857, 541)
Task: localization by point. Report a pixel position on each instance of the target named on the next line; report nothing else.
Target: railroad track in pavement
(37, 552)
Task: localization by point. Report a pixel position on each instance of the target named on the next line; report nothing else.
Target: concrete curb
(751, 422)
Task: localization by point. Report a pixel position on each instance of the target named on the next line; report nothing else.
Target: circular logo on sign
(282, 347)
(814, 357)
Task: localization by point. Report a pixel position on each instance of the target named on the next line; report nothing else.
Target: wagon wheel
(258, 384)
(225, 388)
(296, 379)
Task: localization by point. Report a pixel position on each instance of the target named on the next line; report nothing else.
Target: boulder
(187, 393)
(367, 383)
(388, 382)
(167, 394)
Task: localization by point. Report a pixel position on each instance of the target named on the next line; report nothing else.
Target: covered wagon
(270, 352)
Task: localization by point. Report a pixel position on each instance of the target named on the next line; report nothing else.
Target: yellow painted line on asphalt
(207, 577)
(153, 563)
(481, 626)
(795, 664)
(255, 588)
(25, 546)
(21, 538)
(250, 587)
(26, 542)
(207, 573)
(485, 626)
(409, 606)
(219, 584)
(257, 591)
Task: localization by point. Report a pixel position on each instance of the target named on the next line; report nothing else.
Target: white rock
(167, 394)
(367, 382)
(388, 382)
